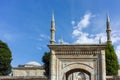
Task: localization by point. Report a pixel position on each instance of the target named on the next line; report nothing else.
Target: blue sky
(25, 25)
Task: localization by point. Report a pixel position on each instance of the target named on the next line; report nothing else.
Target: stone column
(52, 66)
(98, 67)
(92, 75)
(103, 65)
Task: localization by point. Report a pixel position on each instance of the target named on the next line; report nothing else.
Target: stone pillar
(98, 67)
(52, 66)
(103, 65)
(92, 75)
(60, 70)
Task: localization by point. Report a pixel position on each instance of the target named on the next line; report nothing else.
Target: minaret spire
(61, 40)
(108, 30)
(100, 40)
(52, 41)
(53, 16)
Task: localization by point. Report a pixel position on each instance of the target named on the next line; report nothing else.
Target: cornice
(77, 47)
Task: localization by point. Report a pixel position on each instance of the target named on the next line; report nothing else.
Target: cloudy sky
(25, 25)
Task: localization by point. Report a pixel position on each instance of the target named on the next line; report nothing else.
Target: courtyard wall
(23, 78)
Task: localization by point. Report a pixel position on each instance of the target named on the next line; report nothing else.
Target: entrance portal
(83, 62)
(87, 57)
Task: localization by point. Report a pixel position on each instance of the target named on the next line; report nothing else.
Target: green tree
(46, 61)
(5, 59)
(111, 60)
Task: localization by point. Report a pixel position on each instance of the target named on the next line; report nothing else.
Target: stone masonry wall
(112, 77)
(22, 78)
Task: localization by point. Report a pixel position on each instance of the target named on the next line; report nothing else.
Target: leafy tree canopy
(5, 59)
(111, 60)
(46, 61)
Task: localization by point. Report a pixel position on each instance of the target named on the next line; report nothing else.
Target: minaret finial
(52, 41)
(108, 30)
(100, 40)
(108, 18)
(53, 16)
(61, 40)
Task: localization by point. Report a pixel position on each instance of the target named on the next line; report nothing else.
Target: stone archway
(81, 73)
(67, 59)
(72, 68)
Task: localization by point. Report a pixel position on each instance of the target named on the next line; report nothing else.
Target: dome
(32, 64)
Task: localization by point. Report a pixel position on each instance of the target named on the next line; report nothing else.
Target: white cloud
(84, 22)
(84, 38)
(43, 37)
(116, 36)
(76, 33)
(118, 51)
(73, 23)
(81, 37)
(39, 48)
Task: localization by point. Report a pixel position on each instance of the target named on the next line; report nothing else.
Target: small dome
(32, 64)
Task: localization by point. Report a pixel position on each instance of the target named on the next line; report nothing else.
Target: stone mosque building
(71, 61)
(29, 69)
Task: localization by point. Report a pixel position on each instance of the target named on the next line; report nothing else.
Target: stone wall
(44, 78)
(112, 77)
(22, 78)
(119, 72)
(28, 71)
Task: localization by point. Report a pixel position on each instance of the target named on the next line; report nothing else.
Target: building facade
(86, 59)
(29, 69)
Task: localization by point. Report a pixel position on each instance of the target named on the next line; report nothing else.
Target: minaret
(100, 40)
(61, 41)
(52, 41)
(108, 30)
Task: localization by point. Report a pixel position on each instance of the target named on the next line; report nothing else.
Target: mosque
(71, 61)
(29, 69)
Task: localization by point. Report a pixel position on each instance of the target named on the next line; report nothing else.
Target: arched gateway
(77, 61)
(69, 59)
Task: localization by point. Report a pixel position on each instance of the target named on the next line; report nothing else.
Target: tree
(5, 59)
(46, 61)
(111, 60)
